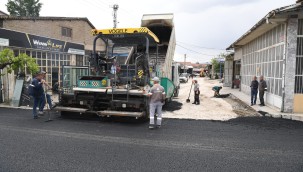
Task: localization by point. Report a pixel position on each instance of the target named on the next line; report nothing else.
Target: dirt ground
(210, 108)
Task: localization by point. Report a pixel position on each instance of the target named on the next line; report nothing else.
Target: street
(210, 108)
(88, 144)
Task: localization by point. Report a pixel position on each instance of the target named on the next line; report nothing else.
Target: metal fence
(264, 56)
(299, 60)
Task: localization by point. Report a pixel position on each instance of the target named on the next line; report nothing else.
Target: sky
(204, 28)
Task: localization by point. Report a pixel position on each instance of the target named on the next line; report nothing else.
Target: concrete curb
(246, 105)
(295, 117)
(11, 107)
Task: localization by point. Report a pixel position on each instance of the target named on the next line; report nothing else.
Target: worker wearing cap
(157, 97)
(37, 92)
(48, 97)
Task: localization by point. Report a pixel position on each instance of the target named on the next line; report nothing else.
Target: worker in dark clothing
(37, 92)
(254, 90)
(197, 92)
(262, 89)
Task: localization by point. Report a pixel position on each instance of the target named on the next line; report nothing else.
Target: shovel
(47, 107)
(188, 100)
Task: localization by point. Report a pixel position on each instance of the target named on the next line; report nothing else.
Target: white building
(274, 48)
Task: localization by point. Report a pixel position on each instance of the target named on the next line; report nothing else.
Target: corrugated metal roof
(3, 13)
(46, 18)
(282, 10)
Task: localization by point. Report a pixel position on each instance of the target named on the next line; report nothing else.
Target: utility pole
(184, 63)
(115, 9)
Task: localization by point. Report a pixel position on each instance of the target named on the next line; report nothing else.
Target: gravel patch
(223, 108)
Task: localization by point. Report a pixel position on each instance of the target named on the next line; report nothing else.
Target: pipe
(147, 60)
(284, 69)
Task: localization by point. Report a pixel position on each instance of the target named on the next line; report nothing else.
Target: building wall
(228, 72)
(298, 91)
(81, 30)
(264, 56)
(238, 54)
(290, 64)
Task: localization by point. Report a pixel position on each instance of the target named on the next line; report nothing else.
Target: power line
(200, 46)
(194, 51)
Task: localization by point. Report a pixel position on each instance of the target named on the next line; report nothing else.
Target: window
(79, 60)
(1, 23)
(264, 56)
(66, 32)
(299, 60)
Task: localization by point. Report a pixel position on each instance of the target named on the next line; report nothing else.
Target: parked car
(183, 77)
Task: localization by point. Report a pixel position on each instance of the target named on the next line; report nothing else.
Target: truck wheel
(145, 117)
(176, 94)
(168, 100)
(64, 113)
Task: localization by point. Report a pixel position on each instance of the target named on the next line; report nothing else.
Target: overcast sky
(204, 28)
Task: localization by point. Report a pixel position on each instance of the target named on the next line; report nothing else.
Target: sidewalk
(270, 111)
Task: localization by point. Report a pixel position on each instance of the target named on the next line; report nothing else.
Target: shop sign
(25, 40)
(76, 51)
(46, 43)
(4, 42)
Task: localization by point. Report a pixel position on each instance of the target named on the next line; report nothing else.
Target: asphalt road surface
(72, 144)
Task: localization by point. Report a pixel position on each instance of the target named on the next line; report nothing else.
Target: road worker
(157, 98)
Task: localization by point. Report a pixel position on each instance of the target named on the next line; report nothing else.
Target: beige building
(53, 41)
(70, 29)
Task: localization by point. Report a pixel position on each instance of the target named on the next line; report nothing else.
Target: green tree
(215, 64)
(9, 61)
(24, 7)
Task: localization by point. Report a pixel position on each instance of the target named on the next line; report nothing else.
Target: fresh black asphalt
(90, 144)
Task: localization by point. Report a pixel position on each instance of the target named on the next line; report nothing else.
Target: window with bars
(79, 60)
(66, 32)
(299, 60)
(50, 62)
(264, 56)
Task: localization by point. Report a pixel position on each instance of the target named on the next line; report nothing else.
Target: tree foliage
(29, 8)
(11, 62)
(215, 64)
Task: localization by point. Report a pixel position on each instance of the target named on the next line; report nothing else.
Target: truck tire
(176, 94)
(168, 100)
(145, 118)
(64, 113)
